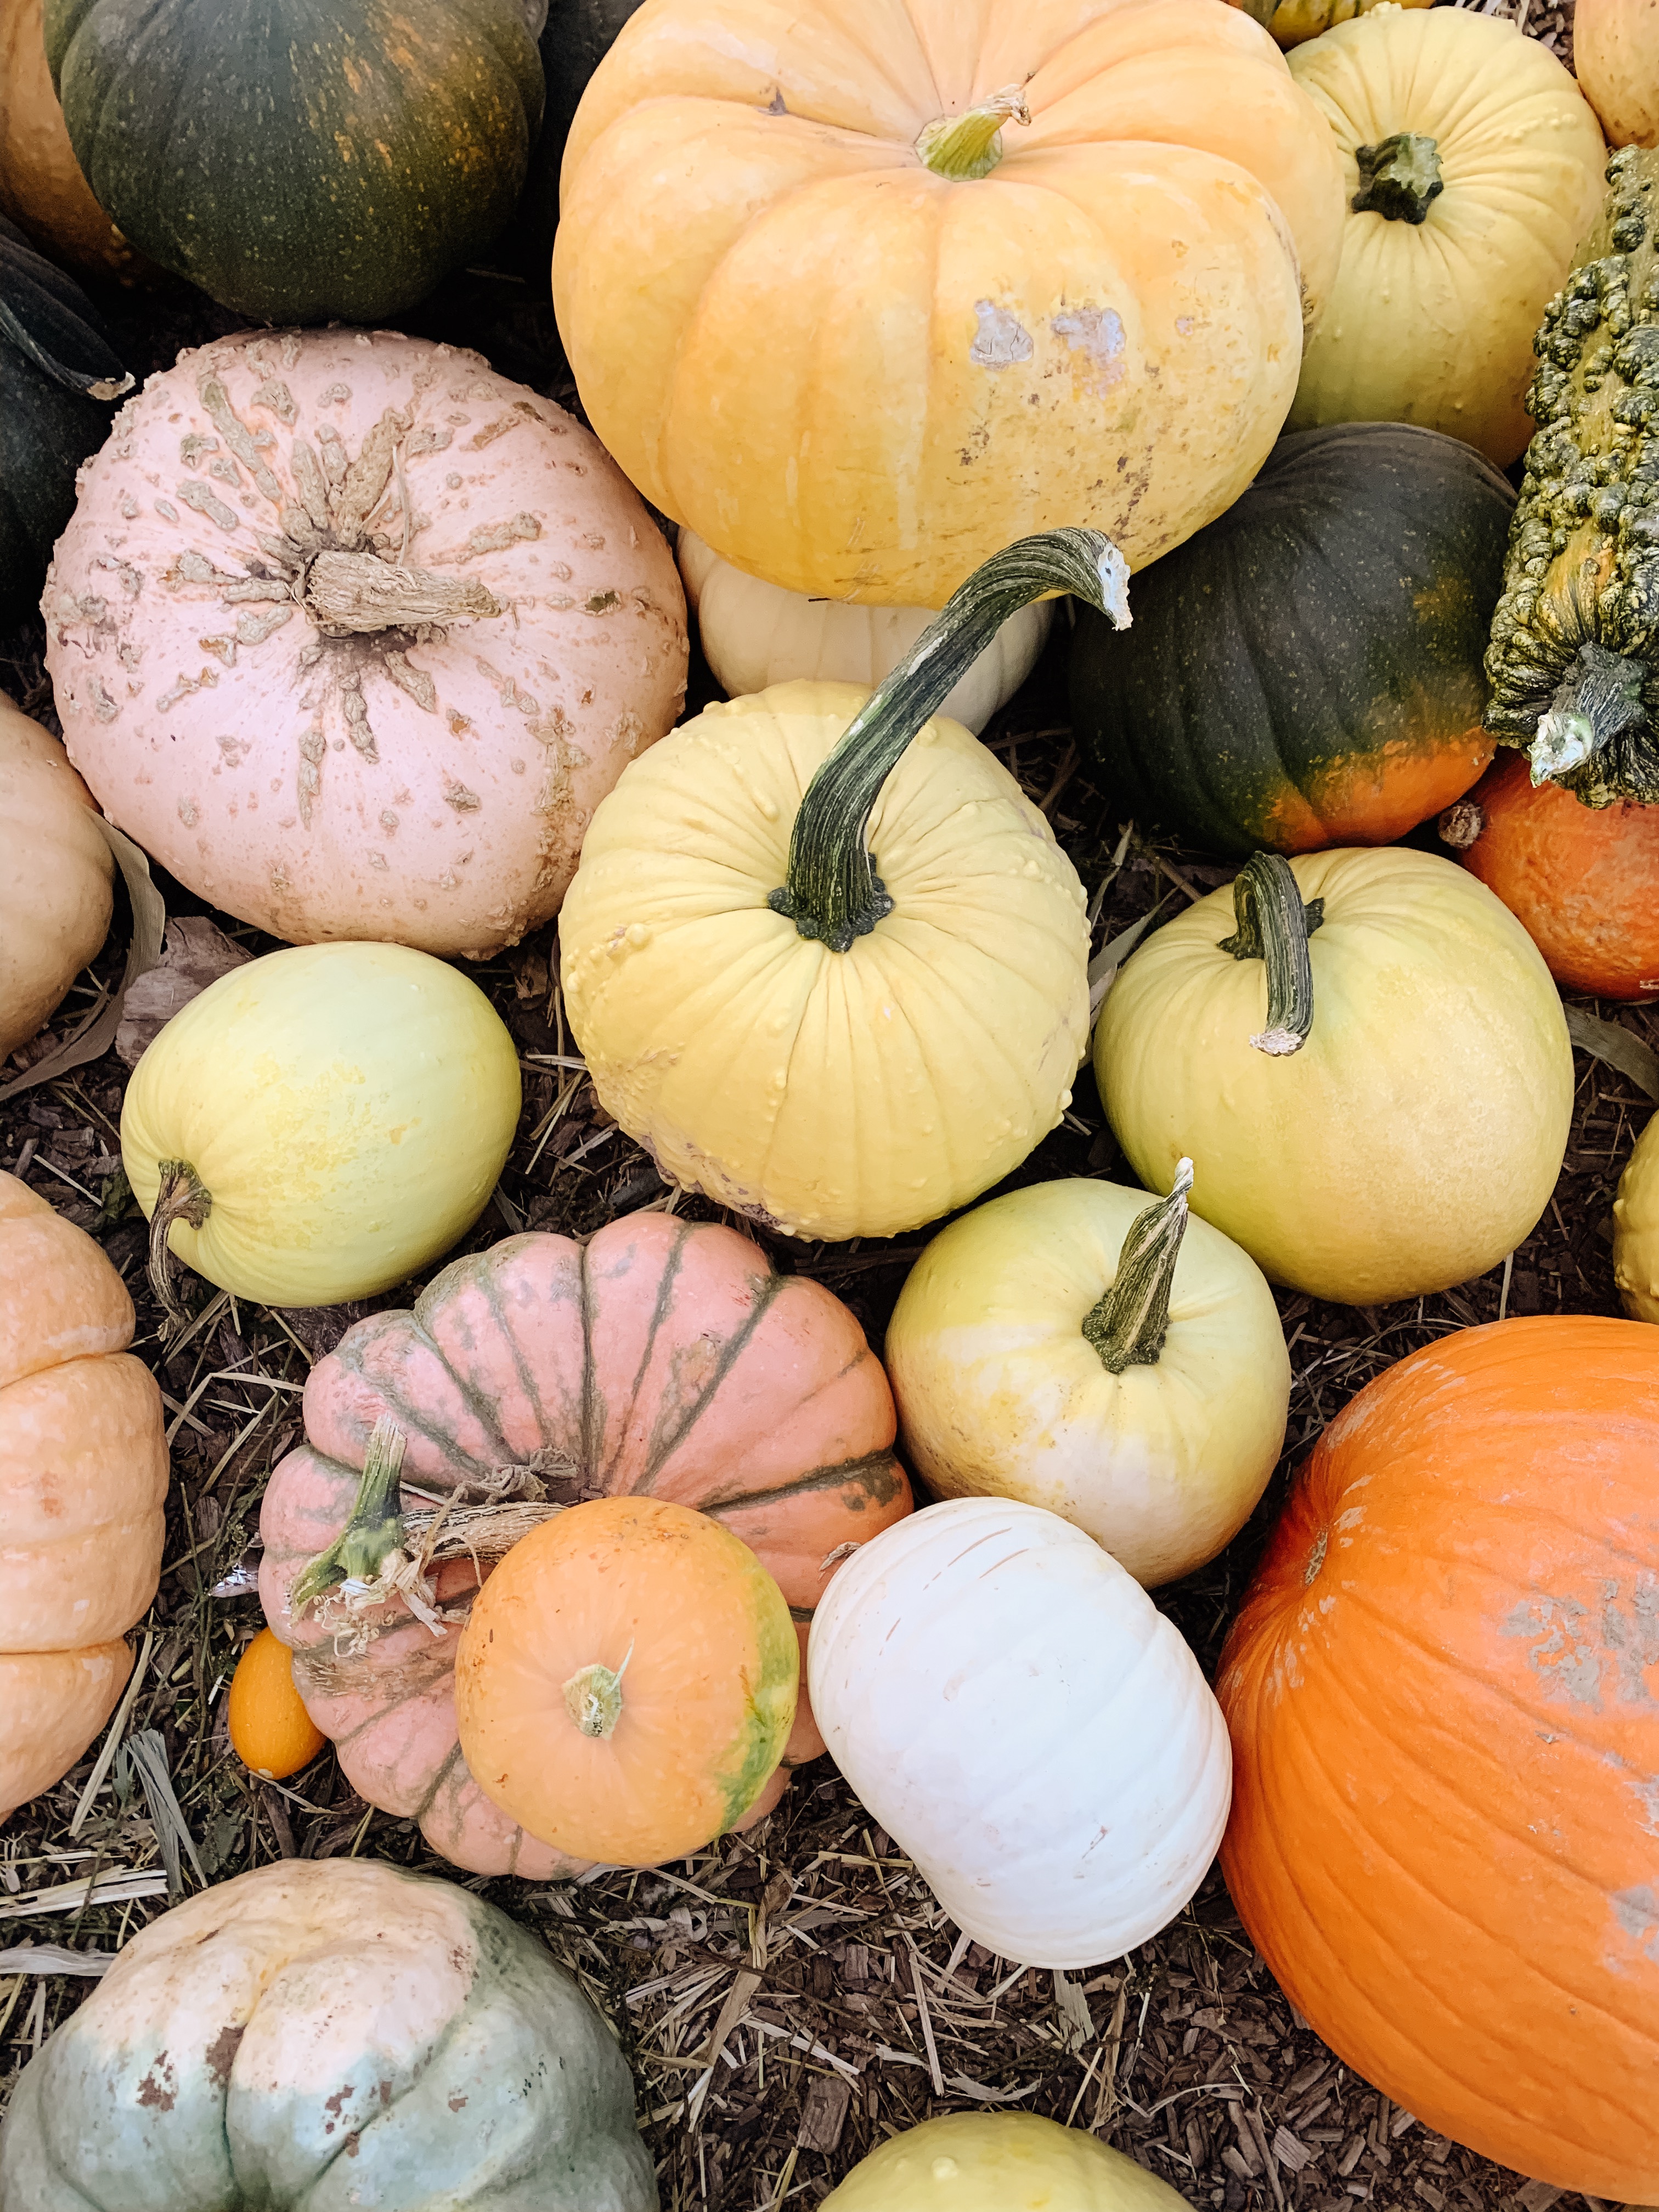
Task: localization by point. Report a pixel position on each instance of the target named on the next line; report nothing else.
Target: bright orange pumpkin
(1444, 1693)
(270, 1731)
(664, 1358)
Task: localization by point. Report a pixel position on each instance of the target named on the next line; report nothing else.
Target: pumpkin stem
(832, 891)
(375, 1530)
(1599, 699)
(593, 1699)
(960, 148)
(1129, 1324)
(1398, 178)
(1274, 925)
(180, 1196)
(1462, 825)
(356, 595)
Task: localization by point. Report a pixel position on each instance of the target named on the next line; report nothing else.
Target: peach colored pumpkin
(1615, 51)
(663, 1358)
(83, 1474)
(353, 635)
(55, 897)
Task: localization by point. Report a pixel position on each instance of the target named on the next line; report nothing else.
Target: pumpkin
(1307, 671)
(1444, 1693)
(83, 1475)
(782, 954)
(1584, 881)
(661, 1359)
(328, 2034)
(226, 147)
(1573, 662)
(998, 2162)
(319, 1124)
(754, 635)
(41, 188)
(1073, 1347)
(58, 371)
(1291, 21)
(625, 1684)
(351, 634)
(55, 895)
(1472, 168)
(971, 1669)
(1070, 257)
(1366, 1052)
(1615, 54)
(1636, 1228)
(270, 1731)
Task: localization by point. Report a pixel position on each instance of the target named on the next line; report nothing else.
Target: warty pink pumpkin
(353, 635)
(664, 1359)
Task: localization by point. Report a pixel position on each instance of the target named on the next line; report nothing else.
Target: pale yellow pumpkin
(1636, 1228)
(55, 895)
(1473, 167)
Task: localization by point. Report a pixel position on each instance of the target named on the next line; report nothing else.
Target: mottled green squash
(1306, 670)
(1574, 660)
(301, 160)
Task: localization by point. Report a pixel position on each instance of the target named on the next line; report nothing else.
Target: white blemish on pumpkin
(104, 709)
(167, 510)
(187, 812)
(1636, 1913)
(1567, 1663)
(1097, 334)
(1001, 340)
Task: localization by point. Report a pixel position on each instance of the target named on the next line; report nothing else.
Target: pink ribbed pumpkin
(665, 1359)
(353, 635)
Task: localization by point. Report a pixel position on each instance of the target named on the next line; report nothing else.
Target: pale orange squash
(1615, 51)
(83, 1474)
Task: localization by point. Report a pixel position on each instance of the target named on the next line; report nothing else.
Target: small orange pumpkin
(270, 1731)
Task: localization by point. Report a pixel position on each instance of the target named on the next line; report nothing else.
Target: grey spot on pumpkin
(103, 708)
(1001, 340)
(1097, 333)
(187, 812)
(1567, 1663)
(1637, 1911)
(221, 2053)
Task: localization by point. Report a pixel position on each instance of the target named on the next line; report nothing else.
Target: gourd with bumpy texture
(660, 1357)
(1472, 168)
(753, 635)
(1010, 1704)
(1574, 658)
(1070, 252)
(1367, 1054)
(83, 1478)
(55, 897)
(1069, 1346)
(1616, 55)
(1636, 1228)
(998, 2162)
(1443, 1692)
(824, 959)
(1307, 671)
(319, 1124)
(226, 143)
(316, 2035)
(41, 187)
(352, 634)
(270, 1731)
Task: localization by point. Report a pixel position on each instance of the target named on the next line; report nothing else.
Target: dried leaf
(1620, 1048)
(146, 1754)
(197, 953)
(53, 1959)
(1103, 968)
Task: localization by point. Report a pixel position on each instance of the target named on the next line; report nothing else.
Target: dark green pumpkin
(301, 160)
(59, 373)
(1306, 671)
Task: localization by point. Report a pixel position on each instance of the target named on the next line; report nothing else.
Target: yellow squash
(1473, 167)
(319, 1124)
(1635, 1229)
(998, 2162)
(1069, 1346)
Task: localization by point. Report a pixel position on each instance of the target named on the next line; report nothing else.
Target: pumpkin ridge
(825, 1477)
(665, 1440)
(659, 1311)
(593, 1408)
(487, 1281)
(408, 1418)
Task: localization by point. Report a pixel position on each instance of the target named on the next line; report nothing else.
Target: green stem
(593, 1699)
(1398, 178)
(1598, 699)
(1129, 1324)
(1274, 925)
(963, 146)
(832, 891)
(375, 1530)
(180, 1196)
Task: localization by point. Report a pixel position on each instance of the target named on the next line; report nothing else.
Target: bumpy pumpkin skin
(1443, 1694)
(1432, 323)
(1000, 2162)
(430, 783)
(83, 1475)
(1615, 52)
(1635, 1229)
(311, 2037)
(661, 1358)
(1307, 671)
(1105, 330)
(55, 897)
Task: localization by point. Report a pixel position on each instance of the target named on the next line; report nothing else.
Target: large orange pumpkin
(664, 1358)
(1443, 1694)
(83, 1474)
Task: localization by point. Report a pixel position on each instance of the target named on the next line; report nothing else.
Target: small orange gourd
(270, 1731)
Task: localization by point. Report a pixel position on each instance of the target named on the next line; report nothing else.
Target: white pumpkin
(1075, 1345)
(1013, 1709)
(754, 634)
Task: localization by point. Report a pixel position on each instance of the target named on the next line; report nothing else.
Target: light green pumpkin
(332, 2036)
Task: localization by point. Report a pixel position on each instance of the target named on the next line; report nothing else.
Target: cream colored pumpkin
(55, 897)
(1071, 1347)
(1636, 1228)
(755, 634)
(998, 2162)
(1010, 1704)
(1432, 318)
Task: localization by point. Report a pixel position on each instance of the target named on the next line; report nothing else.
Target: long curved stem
(1129, 1323)
(375, 1530)
(832, 891)
(1597, 699)
(180, 1196)
(1273, 924)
